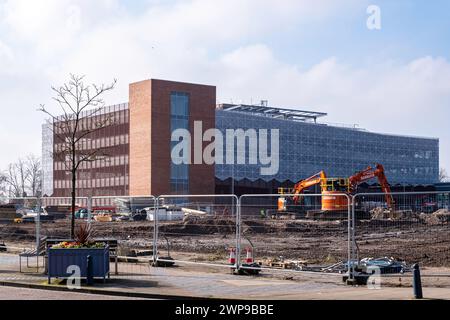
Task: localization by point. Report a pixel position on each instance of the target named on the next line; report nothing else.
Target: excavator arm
(371, 173)
(305, 184)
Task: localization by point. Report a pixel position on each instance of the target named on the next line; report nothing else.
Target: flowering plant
(78, 245)
(83, 236)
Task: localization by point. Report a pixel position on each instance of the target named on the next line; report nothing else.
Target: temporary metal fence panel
(280, 235)
(125, 222)
(415, 230)
(196, 229)
(224, 231)
(23, 228)
(20, 234)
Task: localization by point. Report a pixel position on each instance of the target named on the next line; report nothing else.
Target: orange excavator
(332, 190)
(371, 173)
(318, 178)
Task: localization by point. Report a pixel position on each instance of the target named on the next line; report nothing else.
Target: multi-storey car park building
(308, 147)
(106, 176)
(138, 145)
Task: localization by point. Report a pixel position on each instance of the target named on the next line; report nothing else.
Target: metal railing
(415, 230)
(217, 215)
(306, 212)
(209, 226)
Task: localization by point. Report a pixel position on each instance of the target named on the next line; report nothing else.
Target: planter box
(59, 260)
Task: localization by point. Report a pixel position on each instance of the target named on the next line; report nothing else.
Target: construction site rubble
(439, 217)
(384, 265)
(282, 263)
(370, 266)
(386, 214)
(436, 218)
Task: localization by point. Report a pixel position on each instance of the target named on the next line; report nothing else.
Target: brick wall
(150, 154)
(140, 138)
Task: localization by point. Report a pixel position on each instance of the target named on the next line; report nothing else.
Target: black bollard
(90, 271)
(417, 282)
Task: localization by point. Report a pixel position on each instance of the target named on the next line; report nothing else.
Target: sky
(317, 55)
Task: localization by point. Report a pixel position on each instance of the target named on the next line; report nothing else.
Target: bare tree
(22, 178)
(443, 176)
(81, 107)
(16, 177)
(3, 187)
(22, 171)
(12, 181)
(34, 175)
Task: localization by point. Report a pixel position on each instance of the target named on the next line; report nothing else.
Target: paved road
(10, 293)
(198, 281)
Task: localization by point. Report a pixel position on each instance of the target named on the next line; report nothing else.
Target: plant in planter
(64, 257)
(83, 240)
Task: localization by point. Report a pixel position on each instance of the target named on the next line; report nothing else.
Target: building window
(179, 119)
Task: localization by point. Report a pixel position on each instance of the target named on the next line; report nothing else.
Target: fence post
(89, 209)
(238, 233)
(38, 229)
(354, 248)
(349, 231)
(155, 231)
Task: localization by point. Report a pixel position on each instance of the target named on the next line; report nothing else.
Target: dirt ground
(205, 239)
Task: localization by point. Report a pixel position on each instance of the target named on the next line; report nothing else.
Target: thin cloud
(215, 42)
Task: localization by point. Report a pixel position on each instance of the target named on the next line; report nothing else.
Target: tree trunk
(72, 226)
(74, 181)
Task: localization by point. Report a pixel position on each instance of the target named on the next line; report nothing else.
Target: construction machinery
(334, 202)
(8, 213)
(370, 173)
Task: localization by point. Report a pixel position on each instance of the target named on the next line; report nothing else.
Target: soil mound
(439, 217)
(385, 214)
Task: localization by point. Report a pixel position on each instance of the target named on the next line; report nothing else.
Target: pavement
(11, 293)
(192, 281)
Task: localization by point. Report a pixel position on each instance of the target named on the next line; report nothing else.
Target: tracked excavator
(334, 203)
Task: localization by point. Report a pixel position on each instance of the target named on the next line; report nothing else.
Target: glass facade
(47, 159)
(306, 148)
(179, 119)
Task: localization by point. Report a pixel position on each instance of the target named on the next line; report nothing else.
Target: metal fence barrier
(414, 230)
(25, 223)
(203, 233)
(312, 235)
(243, 234)
(30, 223)
(123, 222)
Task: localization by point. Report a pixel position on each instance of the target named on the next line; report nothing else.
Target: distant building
(138, 145)
(308, 147)
(444, 187)
(108, 176)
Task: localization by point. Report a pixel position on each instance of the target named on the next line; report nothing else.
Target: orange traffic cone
(232, 259)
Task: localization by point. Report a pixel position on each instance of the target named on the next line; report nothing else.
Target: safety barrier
(25, 223)
(205, 234)
(246, 234)
(310, 235)
(414, 229)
